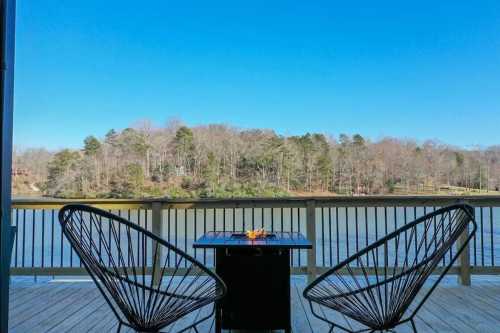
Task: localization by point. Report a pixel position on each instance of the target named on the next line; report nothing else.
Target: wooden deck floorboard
(58, 306)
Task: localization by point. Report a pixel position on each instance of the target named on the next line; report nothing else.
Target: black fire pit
(257, 275)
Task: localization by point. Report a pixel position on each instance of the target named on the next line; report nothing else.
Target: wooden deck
(67, 306)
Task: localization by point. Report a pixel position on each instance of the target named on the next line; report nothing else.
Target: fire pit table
(257, 275)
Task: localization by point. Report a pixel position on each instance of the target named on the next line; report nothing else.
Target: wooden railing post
(464, 273)
(311, 235)
(157, 229)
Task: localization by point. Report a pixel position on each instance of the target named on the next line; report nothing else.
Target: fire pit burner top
(242, 235)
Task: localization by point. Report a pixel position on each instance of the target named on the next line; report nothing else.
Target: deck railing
(337, 226)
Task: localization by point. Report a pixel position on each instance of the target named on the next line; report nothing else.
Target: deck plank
(299, 322)
(76, 313)
(48, 308)
(38, 303)
(78, 307)
(460, 316)
(314, 323)
(86, 323)
(488, 308)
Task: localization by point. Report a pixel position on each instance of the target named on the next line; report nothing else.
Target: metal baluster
(323, 235)
(62, 247)
(337, 227)
(185, 235)
(425, 233)
(451, 248)
(100, 235)
(214, 229)
(347, 230)
(119, 235)
(17, 236)
(406, 222)
(291, 230)
(214, 222)
(366, 235)
(234, 219)
(281, 219)
(138, 238)
(395, 211)
(196, 230)
(33, 238)
(475, 243)
(395, 217)
(146, 243)
(43, 237)
(357, 227)
(52, 239)
(435, 227)
(253, 219)
(109, 238)
(176, 231)
(491, 238)
(331, 234)
(128, 240)
(442, 235)
(386, 229)
(482, 236)
(416, 233)
(376, 233)
(243, 223)
(168, 231)
(204, 232)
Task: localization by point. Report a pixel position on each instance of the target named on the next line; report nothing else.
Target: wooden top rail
(333, 201)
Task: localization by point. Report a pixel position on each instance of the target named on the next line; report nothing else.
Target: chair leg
(331, 328)
(413, 326)
(119, 327)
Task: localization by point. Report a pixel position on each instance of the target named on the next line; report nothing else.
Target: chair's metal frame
(462, 212)
(140, 305)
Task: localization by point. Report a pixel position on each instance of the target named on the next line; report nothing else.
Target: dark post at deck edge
(7, 33)
(311, 236)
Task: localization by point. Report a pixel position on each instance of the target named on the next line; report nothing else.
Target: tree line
(223, 161)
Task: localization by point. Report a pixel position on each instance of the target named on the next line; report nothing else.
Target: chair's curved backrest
(378, 284)
(150, 281)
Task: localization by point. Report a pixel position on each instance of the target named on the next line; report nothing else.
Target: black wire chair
(379, 286)
(148, 283)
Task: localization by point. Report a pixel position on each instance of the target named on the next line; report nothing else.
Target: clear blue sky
(430, 69)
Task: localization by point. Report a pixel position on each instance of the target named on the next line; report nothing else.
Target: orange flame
(257, 233)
